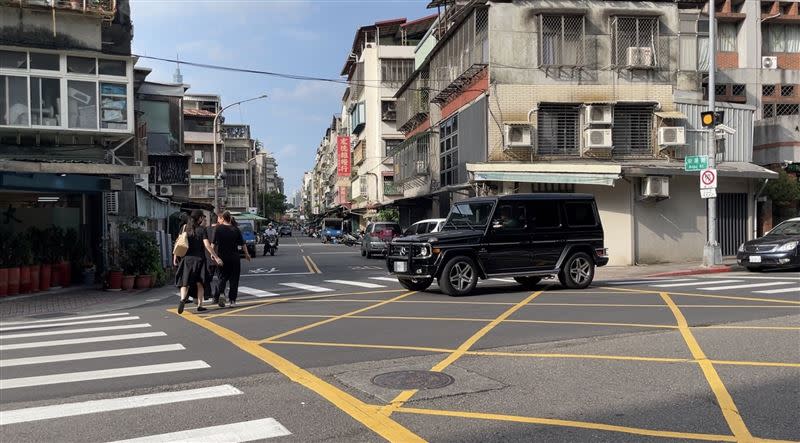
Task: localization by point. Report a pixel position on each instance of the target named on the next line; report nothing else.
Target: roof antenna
(177, 77)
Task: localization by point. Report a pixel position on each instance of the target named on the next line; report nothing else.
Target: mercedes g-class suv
(524, 236)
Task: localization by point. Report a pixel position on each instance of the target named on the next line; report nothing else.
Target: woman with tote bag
(192, 268)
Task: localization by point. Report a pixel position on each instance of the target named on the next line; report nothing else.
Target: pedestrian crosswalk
(756, 285)
(29, 363)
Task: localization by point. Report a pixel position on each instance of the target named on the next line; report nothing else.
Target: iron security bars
(558, 129)
(635, 42)
(561, 40)
(633, 129)
(467, 47)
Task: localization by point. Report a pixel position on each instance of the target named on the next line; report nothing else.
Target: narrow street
(305, 355)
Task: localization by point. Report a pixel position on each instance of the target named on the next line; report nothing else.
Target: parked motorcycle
(271, 245)
(350, 240)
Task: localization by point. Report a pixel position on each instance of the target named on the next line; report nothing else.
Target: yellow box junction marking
(724, 399)
(460, 351)
(368, 415)
(692, 294)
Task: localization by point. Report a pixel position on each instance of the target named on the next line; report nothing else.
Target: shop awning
(248, 216)
(541, 177)
(564, 173)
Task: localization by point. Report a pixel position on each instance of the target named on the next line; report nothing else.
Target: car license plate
(400, 266)
(755, 259)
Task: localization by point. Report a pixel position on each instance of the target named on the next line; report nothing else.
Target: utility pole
(222, 168)
(712, 254)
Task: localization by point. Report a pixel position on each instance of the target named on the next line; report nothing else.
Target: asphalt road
(686, 358)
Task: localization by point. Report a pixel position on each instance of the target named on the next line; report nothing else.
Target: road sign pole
(712, 254)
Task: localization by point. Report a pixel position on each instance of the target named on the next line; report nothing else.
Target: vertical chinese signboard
(343, 155)
(344, 197)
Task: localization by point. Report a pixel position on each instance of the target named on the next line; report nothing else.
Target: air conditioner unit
(165, 190)
(421, 167)
(640, 57)
(599, 115)
(198, 157)
(655, 187)
(518, 135)
(598, 139)
(672, 136)
(769, 62)
(112, 203)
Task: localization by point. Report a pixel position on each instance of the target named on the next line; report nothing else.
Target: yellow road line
(332, 319)
(311, 265)
(768, 328)
(304, 298)
(692, 294)
(724, 399)
(535, 355)
(308, 265)
(570, 424)
(406, 395)
(366, 414)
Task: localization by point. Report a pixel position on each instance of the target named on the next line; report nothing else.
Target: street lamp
(222, 169)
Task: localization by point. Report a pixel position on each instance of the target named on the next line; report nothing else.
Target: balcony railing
(465, 53)
(413, 104)
(105, 8)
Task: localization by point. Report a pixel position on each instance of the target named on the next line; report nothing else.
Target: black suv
(525, 236)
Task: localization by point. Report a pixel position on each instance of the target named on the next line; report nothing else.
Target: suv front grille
(404, 250)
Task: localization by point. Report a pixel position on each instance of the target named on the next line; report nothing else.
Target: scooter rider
(270, 232)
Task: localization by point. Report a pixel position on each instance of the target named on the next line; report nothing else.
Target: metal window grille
(561, 40)
(234, 177)
(467, 46)
(558, 129)
(235, 155)
(769, 111)
(635, 32)
(362, 183)
(357, 81)
(787, 90)
(633, 129)
(388, 110)
(552, 187)
(396, 71)
(767, 90)
(237, 200)
(721, 89)
(738, 89)
(787, 109)
(448, 149)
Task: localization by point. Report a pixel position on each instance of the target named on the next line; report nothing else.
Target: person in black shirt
(227, 241)
(192, 268)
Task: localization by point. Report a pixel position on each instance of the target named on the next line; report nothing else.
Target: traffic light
(710, 119)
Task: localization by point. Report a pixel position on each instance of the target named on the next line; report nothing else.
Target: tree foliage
(784, 190)
(271, 204)
(389, 215)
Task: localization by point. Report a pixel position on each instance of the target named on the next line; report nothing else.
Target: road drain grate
(412, 380)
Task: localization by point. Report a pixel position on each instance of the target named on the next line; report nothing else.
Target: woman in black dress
(192, 268)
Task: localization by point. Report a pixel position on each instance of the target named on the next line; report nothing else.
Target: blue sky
(309, 37)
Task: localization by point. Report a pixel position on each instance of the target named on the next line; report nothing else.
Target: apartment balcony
(103, 8)
(463, 57)
(413, 104)
(359, 153)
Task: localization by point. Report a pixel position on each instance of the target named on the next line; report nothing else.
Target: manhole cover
(413, 380)
(52, 315)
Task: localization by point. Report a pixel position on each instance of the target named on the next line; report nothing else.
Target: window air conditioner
(517, 135)
(672, 136)
(599, 115)
(640, 57)
(598, 139)
(198, 157)
(655, 187)
(165, 190)
(770, 62)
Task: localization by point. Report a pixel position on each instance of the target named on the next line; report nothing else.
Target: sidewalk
(86, 300)
(663, 270)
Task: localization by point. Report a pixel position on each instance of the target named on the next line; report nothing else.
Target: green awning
(547, 177)
(248, 216)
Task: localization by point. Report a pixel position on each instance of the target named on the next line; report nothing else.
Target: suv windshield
(787, 228)
(472, 215)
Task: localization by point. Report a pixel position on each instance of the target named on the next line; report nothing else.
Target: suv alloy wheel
(459, 276)
(415, 284)
(577, 272)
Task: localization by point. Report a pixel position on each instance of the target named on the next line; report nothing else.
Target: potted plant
(53, 238)
(13, 264)
(128, 269)
(24, 249)
(114, 274)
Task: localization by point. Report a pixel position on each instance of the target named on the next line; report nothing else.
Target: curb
(697, 271)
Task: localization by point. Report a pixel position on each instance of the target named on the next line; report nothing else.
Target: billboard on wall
(343, 155)
(343, 195)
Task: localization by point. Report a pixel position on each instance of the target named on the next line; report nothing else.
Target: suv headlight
(787, 246)
(741, 248)
(424, 251)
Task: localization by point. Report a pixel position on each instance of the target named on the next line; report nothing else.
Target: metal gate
(731, 221)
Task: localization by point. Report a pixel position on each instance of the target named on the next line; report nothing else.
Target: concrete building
(198, 138)
(589, 100)
(239, 154)
(68, 155)
(381, 58)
